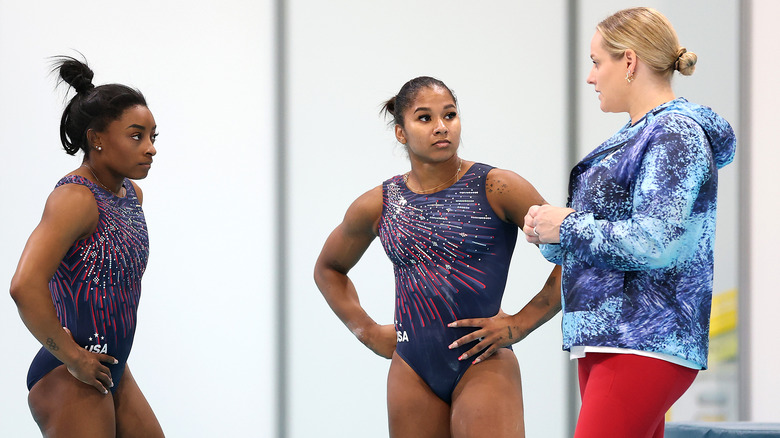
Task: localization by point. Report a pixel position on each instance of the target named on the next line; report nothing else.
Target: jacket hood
(717, 129)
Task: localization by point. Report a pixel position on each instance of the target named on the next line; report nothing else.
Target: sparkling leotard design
(451, 256)
(97, 286)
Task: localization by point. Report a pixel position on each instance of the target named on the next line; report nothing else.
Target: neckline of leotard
(470, 169)
(103, 189)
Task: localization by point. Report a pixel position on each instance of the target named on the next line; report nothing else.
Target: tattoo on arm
(52, 345)
(510, 332)
(498, 186)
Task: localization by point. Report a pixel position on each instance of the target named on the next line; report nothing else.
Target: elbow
(659, 257)
(319, 273)
(17, 289)
(659, 262)
(22, 287)
(325, 269)
(317, 276)
(669, 252)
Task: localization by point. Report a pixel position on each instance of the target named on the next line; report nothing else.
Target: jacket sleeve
(662, 225)
(552, 252)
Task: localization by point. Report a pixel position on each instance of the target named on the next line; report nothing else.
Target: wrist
(363, 332)
(566, 224)
(518, 327)
(63, 348)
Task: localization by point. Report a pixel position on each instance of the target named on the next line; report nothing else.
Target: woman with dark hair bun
(78, 281)
(449, 226)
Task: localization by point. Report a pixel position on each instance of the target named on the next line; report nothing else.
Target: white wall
(764, 277)
(205, 332)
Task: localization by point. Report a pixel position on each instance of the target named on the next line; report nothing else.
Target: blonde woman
(636, 239)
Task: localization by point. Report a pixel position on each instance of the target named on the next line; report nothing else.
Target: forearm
(340, 294)
(37, 312)
(666, 210)
(638, 243)
(542, 307)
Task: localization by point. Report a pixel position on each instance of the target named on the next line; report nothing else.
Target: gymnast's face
(431, 131)
(608, 77)
(127, 143)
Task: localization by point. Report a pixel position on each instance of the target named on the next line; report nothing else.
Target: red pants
(627, 396)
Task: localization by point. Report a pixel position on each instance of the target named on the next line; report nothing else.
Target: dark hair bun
(388, 109)
(92, 107)
(76, 74)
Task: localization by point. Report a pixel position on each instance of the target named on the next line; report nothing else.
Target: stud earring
(629, 76)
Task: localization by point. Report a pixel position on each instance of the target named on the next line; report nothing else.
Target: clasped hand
(542, 223)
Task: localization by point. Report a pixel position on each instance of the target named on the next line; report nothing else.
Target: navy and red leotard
(451, 256)
(97, 285)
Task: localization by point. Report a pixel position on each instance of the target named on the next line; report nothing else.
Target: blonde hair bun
(651, 36)
(686, 62)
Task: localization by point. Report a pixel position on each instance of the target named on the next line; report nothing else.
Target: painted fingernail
(462, 356)
(453, 345)
(452, 324)
(105, 391)
(476, 361)
(116, 361)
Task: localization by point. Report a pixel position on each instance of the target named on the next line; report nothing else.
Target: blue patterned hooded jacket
(637, 254)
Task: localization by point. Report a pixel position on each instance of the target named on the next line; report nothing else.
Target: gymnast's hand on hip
(496, 332)
(380, 338)
(88, 368)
